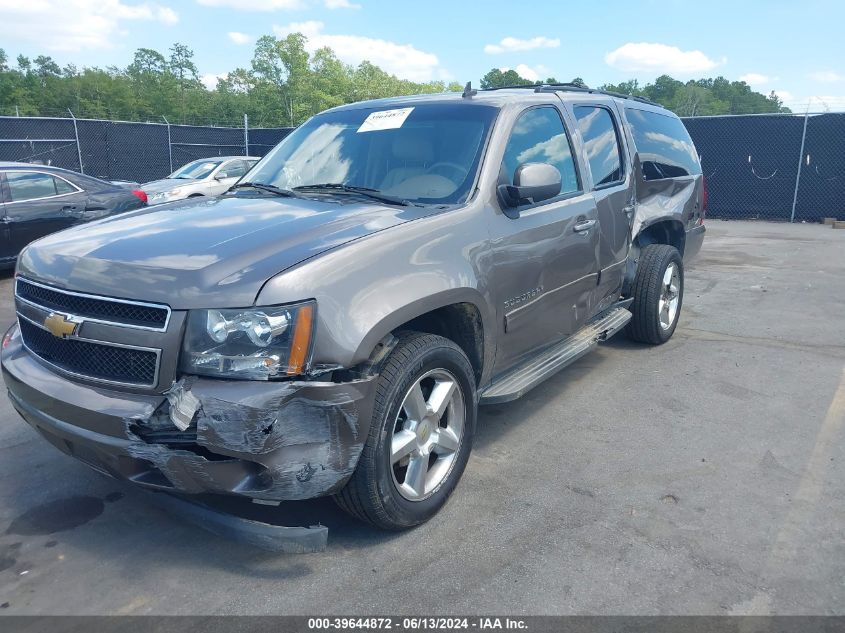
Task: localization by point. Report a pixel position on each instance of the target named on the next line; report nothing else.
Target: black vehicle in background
(36, 200)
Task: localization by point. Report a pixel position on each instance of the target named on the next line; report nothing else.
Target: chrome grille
(92, 359)
(93, 308)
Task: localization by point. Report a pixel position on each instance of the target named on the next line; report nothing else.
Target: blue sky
(796, 49)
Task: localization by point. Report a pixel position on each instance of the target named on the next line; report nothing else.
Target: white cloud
(659, 58)
(73, 25)
(827, 76)
(209, 80)
(754, 79)
(256, 5)
(508, 44)
(277, 5)
(239, 38)
(402, 60)
(527, 72)
(813, 103)
(785, 95)
(341, 4)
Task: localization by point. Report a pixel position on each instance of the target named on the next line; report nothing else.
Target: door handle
(583, 226)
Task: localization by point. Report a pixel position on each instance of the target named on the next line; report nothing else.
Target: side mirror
(221, 176)
(532, 181)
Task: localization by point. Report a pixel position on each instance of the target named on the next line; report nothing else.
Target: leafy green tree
(284, 85)
(184, 71)
(495, 78)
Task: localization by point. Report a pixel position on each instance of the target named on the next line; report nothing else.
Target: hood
(166, 184)
(202, 253)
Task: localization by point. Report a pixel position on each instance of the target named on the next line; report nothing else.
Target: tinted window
(664, 145)
(63, 186)
(28, 185)
(601, 144)
(539, 137)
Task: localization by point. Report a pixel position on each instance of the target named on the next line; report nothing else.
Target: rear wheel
(420, 436)
(658, 294)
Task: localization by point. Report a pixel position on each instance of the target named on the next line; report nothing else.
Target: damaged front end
(270, 441)
(267, 441)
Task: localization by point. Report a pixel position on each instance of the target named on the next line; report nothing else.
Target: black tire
(645, 327)
(371, 494)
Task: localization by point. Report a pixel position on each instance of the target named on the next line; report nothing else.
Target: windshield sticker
(385, 120)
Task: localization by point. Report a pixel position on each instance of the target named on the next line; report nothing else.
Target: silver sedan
(204, 177)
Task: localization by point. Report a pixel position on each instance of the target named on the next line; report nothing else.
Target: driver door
(544, 260)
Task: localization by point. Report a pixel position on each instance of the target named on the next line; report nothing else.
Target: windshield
(424, 154)
(196, 170)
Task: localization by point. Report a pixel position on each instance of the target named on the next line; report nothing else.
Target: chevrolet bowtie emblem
(61, 326)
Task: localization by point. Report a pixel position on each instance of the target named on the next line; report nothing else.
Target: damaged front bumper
(269, 441)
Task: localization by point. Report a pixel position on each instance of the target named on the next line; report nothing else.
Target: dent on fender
(672, 198)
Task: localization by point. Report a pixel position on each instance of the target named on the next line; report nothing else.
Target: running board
(527, 376)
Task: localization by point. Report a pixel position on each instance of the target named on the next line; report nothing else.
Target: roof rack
(570, 87)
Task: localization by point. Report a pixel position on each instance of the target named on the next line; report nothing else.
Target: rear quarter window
(664, 145)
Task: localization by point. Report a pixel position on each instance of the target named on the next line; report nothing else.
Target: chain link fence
(122, 150)
(782, 167)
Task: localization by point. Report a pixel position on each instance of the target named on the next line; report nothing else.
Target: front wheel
(420, 436)
(658, 294)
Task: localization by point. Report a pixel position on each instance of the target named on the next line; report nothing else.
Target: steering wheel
(459, 170)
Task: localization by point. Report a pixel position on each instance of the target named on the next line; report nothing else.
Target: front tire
(420, 436)
(658, 294)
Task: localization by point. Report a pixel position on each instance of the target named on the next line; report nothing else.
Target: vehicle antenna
(469, 91)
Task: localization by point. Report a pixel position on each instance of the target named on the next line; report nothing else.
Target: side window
(664, 145)
(28, 185)
(235, 169)
(601, 144)
(63, 186)
(539, 137)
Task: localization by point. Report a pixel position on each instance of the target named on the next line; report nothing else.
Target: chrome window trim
(105, 381)
(43, 173)
(159, 306)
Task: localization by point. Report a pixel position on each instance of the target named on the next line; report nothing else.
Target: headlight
(253, 343)
(164, 195)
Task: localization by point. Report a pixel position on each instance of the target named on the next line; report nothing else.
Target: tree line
(696, 97)
(283, 85)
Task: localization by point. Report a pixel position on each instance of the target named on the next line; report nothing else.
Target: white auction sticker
(385, 120)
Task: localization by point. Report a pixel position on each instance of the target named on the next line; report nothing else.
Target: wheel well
(669, 232)
(460, 323)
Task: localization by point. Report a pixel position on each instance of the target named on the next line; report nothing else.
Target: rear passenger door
(544, 260)
(612, 186)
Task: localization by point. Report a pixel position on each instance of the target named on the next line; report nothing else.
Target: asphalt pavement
(705, 476)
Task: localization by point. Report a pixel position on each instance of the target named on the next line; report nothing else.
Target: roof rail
(570, 87)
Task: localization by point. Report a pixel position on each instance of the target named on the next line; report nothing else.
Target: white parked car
(204, 177)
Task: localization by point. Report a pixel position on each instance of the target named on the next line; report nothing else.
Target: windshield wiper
(287, 193)
(367, 192)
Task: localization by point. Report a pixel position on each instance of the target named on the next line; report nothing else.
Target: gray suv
(330, 325)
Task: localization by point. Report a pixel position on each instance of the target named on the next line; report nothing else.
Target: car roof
(14, 165)
(500, 97)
